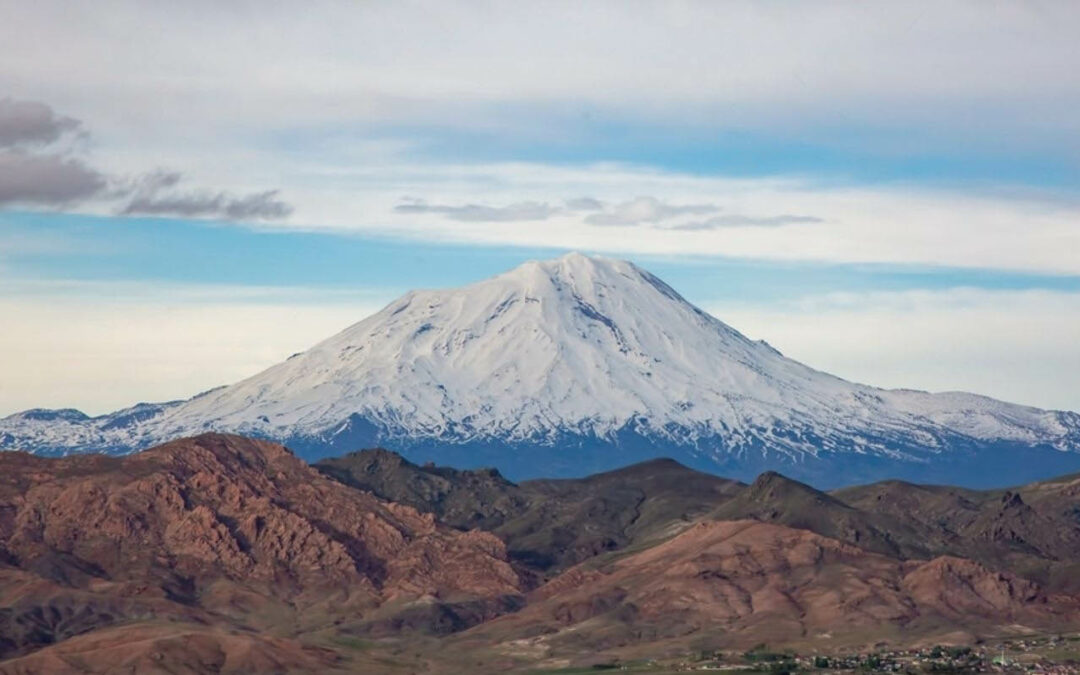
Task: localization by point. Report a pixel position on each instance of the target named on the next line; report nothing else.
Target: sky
(191, 192)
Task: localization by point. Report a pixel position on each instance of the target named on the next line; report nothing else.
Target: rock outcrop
(221, 530)
(742, 583)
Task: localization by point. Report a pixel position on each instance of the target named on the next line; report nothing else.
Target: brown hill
(550, 525)
(1032, 530)
(227, 532)
(227, 554)
(736, 584)
(777, 499)
(173, 648)
(547, 525)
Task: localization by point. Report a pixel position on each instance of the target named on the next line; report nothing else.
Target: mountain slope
(1032, 530)
(228, 533)
(547, 525)
(735, 584)
(226, 554)
(581, 364)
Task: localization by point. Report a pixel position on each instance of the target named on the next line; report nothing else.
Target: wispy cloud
(156, 194)
(886, 223)
(584, 204)
(637, 211)
(260, 205)
(482, 213)
(646, 210)
(740, 220)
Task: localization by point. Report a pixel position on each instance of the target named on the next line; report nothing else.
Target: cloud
(633, 212)
(31, 123)
(584, 204)
(735, 65)
(739, 220)
(482, 213)
(888, 223)
(33, 172)
(45, 179)
(202, 204)
(646, 210)
(1013, 345)
(149, 184)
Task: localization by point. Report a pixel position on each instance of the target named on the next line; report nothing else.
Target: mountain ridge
(579, 364)
(550, 524)
(230, 554)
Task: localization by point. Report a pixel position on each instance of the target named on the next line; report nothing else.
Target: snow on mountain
(575, 364)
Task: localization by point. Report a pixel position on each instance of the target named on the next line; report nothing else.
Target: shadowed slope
(1033, 531)
(546, 524)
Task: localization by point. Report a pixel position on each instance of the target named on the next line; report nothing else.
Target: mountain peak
(774, 486)
(574, 269)
(583, 363)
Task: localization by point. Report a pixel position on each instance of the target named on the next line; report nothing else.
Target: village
(1052, 654)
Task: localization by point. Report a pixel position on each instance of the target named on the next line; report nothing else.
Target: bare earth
(224, 554)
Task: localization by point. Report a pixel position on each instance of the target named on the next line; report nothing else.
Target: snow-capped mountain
(578, 364)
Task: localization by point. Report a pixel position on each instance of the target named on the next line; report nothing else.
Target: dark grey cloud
(155, 195)
(646, 210)
(35, 172)
(149, 184)
(482, 213)
(737, 220)
(31, 123)
(158, 193)
(46, 179)
(31, 173)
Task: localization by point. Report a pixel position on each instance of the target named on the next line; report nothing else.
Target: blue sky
(891, 193)
(74, 247)
(856, 153)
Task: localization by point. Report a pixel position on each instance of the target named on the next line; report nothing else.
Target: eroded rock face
(214, 526)
(957, 586)
(745, 582)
